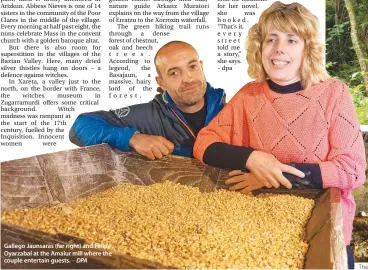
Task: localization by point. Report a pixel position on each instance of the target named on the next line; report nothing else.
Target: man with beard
(167, 124)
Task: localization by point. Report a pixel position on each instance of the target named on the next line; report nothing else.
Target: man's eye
(193, 66)
(174, 73)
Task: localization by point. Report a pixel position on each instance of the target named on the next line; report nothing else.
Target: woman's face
(282, 56)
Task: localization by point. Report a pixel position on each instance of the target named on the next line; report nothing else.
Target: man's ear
(160, 82)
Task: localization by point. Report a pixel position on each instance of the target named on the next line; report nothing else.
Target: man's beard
(191, 99)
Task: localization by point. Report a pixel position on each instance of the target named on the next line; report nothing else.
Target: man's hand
(267, 169)
(151, 146)
(246, 182)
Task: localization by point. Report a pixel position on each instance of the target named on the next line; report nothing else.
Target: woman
(291, 114)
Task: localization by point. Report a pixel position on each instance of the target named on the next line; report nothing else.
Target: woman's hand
(246, 182)
(267, 169)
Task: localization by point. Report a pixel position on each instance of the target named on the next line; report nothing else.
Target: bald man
(167, 124)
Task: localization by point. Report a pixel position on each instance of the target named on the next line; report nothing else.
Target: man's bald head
(172, 45)
(180, 73)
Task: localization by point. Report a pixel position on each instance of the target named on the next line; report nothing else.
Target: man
(167, 124)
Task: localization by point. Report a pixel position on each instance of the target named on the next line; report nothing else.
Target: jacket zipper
(189, 129)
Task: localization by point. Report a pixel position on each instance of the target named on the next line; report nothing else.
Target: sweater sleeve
(235, 157)
(312, 179)
(229, 127)
(227, 156)
(346, 161)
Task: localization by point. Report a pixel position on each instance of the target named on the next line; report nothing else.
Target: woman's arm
(345, 168)
(227, 135)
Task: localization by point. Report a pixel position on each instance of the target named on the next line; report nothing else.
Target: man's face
(181, 74)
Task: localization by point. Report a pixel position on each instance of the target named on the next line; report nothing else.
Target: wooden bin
(68, 175)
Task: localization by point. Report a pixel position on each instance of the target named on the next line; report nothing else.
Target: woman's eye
(292, 41)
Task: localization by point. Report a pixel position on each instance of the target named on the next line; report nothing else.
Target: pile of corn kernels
(179, 226)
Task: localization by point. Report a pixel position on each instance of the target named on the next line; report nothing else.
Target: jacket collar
(215, 100)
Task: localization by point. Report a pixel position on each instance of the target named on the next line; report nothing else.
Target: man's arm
(91, 130)
(120, 129)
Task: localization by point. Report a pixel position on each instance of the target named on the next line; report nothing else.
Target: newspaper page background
(61, 58)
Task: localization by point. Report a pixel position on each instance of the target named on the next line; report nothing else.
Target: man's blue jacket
(158, 117)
